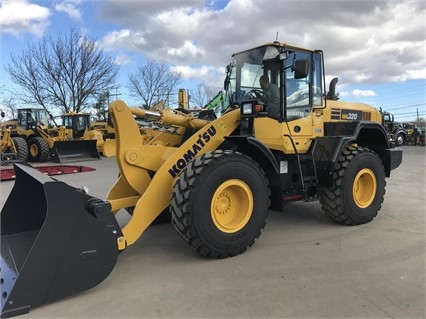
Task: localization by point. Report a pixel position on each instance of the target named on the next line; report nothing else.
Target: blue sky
(376, 48)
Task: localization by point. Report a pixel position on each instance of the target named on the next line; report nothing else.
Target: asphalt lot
(303, 265)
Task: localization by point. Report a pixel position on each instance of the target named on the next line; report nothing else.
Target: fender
(255, 149)
(339, 134)
(259, 152)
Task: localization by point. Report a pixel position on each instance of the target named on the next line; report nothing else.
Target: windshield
(247, 68)
(32, 117)
(79, 122)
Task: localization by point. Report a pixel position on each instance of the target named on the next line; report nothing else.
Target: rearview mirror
(300, 68)
(228, 69)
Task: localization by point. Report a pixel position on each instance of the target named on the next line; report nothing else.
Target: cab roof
(278, 45)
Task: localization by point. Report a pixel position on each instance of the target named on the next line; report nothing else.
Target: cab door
(302, 90)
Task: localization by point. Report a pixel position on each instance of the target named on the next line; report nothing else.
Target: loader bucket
(55, 241)
(74, 151)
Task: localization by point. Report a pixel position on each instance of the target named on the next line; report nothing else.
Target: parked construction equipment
(72, 141)
(12, 148)
(415, 135)
(216, 102)
(396, 131)
(219, 178)
(104, 126)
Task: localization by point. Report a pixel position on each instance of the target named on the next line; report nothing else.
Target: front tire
(220, 203)
(358, 188)
(21, 148)
(38, 150)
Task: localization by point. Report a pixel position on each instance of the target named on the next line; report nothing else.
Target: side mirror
(300, 68)
(2, 114)
(226, 83)
(228, 69)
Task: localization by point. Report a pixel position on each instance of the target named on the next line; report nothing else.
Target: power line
(406, 106)
(407, 90)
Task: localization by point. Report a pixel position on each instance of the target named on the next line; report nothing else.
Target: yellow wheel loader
(12, 148)
(219, 181)
(78, 129)
(105, 127)
(26, 127)
(54, 143)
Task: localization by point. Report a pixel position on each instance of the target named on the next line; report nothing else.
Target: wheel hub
(33, 150)
(232, 206)
(364, 188)
(224, 203)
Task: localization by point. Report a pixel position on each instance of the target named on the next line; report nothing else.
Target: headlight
(247, 108)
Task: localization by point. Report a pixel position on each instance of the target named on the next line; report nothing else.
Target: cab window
(297, 91)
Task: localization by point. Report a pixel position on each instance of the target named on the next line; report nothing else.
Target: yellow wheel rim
(33, 150)
(364, 188)
(232, 206)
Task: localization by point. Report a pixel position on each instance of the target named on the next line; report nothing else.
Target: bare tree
(64, 73)
(200, 96)
(154, 82)
(9, 103)
(101, 106)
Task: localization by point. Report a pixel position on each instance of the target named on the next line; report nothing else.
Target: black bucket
(55, 241)
(74, 151)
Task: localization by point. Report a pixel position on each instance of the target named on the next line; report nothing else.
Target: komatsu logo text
(203, 139)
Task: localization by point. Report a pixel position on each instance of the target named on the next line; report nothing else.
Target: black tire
(220, 203)
(359, 188)
(400, 139)
(38, 150)
(21, 148)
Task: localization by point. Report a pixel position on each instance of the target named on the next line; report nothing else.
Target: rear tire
(21, 148)
(358, 188)
(220, 203)
(38, 150)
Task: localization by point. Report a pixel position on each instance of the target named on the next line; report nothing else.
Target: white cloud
(188, 48)
(69, 7)
(20, 16)
(123, 39)
(123, 60)
(363, 42)
(212, 77)
(363, 93)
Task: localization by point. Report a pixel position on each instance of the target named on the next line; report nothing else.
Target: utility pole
(418, 117)
(114, 94)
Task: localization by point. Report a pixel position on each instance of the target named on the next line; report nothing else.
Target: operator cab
(31, 118)
(296, 73)
(77, 122)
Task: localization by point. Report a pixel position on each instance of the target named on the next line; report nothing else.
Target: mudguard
(56, 241)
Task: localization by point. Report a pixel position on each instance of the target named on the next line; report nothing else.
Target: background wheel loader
(12, 148)
(78, 128)
(219, 181)
(55, 143)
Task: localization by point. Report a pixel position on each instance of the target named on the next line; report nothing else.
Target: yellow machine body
(216, 176)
